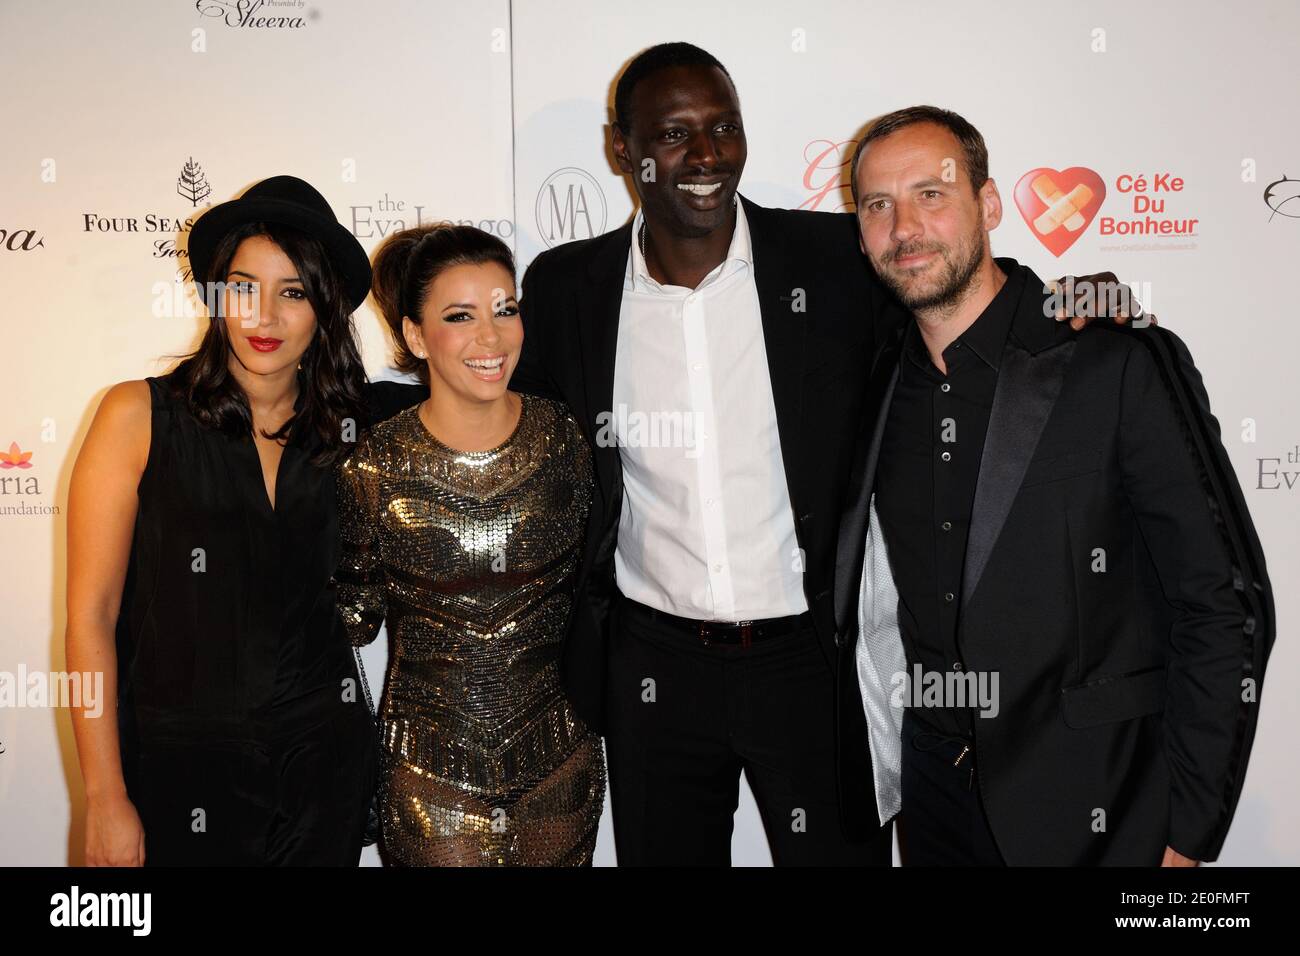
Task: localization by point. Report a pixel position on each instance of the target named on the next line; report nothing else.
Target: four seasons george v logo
(161, 229)
(192, 184)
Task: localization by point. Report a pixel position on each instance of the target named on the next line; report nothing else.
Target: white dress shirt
(881, 664)
(707, 528)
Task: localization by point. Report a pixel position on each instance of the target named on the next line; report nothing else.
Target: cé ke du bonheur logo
(1060, 205)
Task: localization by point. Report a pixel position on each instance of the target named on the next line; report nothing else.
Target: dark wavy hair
(331, 378)
(407, 263)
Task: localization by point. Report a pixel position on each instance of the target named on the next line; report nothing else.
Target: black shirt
(925, 486)
(227, 610)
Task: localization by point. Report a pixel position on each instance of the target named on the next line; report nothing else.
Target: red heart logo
(1058, 206)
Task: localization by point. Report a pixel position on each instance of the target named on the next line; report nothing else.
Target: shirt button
(945, 387)
(698, 366)
(708, 501)
(948, 597)
(946, 456)
(717, 567)
(947, 526)
(956, 665)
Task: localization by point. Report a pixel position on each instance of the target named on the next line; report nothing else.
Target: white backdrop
(494, 112)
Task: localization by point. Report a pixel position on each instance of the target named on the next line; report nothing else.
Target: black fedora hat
(292, 202)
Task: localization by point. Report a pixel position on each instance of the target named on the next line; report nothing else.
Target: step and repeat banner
(1166, 122)
(123, 123)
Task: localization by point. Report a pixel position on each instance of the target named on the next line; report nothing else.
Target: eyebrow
(249, 275)
(473, 305)
(677, 118)
(927, 183)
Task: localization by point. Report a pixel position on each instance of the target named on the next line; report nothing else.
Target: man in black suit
(1045, 525)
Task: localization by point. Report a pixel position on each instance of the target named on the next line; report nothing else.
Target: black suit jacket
(1114, 581)
(821, 311)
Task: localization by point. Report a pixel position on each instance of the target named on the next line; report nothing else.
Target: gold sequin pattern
(471, 559)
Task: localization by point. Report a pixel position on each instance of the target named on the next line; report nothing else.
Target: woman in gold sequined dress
(462, 521)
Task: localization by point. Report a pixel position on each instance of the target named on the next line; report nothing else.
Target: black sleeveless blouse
(227, 610)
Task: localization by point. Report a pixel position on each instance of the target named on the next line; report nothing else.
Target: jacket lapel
(783, 339)
(853, 523)
(1032, 369)
(598, 316)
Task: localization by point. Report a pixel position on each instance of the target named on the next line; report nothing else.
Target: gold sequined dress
(471, 559)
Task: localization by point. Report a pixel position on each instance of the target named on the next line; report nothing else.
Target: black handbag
(371, 834)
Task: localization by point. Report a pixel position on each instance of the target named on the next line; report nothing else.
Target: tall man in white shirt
(717, 356)
(715, 352)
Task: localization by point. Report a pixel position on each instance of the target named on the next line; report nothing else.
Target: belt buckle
(746, 629)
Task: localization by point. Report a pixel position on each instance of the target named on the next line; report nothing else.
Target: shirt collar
(987, 335)
(739, 254)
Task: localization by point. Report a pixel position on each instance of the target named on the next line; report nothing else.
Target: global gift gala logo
(1058, 206)
(826, 174)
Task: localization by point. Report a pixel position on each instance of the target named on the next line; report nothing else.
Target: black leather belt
(742, 633)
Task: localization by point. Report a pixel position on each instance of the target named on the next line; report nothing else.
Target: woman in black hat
(201, 538)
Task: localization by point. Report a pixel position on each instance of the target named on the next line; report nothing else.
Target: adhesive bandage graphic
(1062, 208)
(1059, 205)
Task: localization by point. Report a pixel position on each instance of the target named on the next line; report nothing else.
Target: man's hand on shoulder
(1082, 299)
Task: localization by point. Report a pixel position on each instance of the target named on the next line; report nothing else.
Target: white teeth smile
(488, 365)
(700, 189)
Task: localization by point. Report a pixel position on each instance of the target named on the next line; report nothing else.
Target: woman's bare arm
(102, 507)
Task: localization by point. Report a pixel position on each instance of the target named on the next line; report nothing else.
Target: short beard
(956, 283)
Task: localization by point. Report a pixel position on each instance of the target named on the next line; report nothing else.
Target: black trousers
(685, 719)
(297, 796)
(942, 822)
